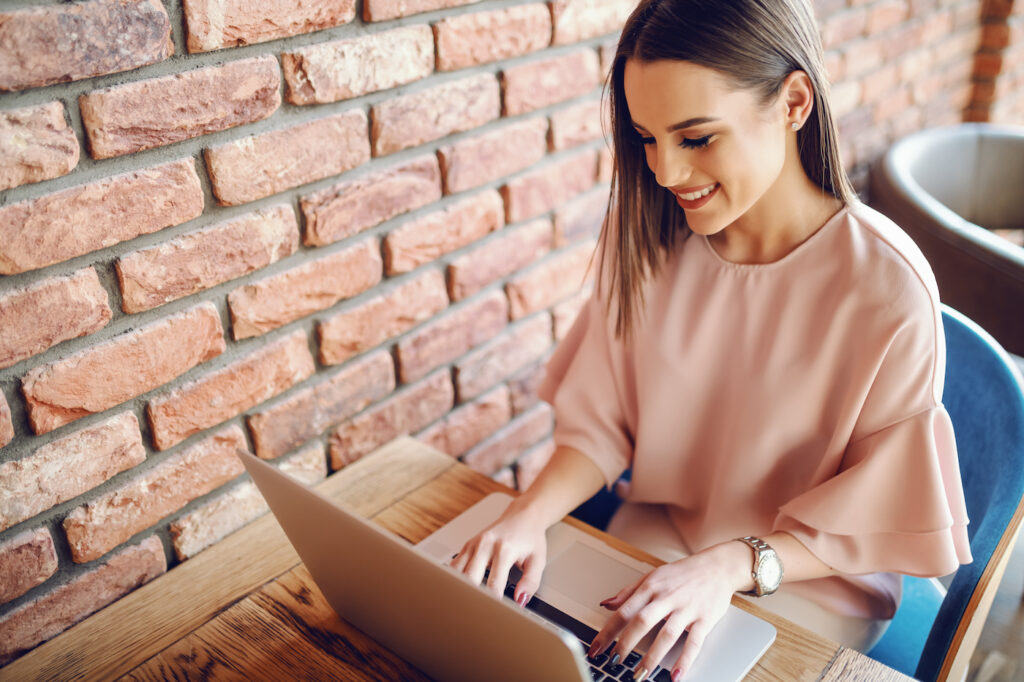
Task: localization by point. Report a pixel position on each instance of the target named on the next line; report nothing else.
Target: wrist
(734, 561)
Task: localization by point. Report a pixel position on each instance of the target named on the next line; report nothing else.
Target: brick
(215, 24)
(6, 425)
(381, 10)
(261, 165)
(509, 352)
(863, 56)
(26, 560)
(502, 448)
(483, 37)
(843, 27)
(104, 523)
(47, 312)
(897, 102)
(307, 413)
(995, 36)
(510, 250)
(581, 217)
(835, 66)
(384, 316)
(523, 386)
(987, 65)
(466, 426)
(68, 467)
(425, 239)
(224, 393)
(405, 412)
(530, 464)
(606, 52)
(53, 228)
(879, 85)
(846, 97)
(315, 285)
(578, 20)
(540, 83)
(576, 125)
(215, 520)
(566, 312)
(205, 258)
(108, 36)
(454, 107)
(108, 374)
(355, 205)
(158, 111)
(51, 614)
(36, 144)
(449, 336)
(541, 190)
(484, 158)
(342, 69)
(550, 281)
(886, 14)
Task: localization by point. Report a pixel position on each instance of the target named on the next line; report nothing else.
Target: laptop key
(596, 674)
(598, 660)
(614, 669)
(632, 659)
(663, 676)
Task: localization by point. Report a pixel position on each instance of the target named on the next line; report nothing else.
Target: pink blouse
(802, 396)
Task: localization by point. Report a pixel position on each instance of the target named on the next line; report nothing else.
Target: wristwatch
(767, 568)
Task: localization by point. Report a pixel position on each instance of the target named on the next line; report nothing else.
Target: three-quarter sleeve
(584, 384)
(896, 502)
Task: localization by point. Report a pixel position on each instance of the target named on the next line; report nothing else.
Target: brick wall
(304, 229)
(998, 94)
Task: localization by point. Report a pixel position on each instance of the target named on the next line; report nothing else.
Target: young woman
(763, 351)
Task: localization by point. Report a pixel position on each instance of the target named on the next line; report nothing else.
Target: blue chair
(933, 636)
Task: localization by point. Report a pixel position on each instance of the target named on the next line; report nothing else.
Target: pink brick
(215, 24)
(97, 527)
(199, 260)
(6, 426)
(541, 190)
(886, 14)
(158, 111)
(481, 159)
(307, 413)
(427, 115)
(566, 312)
(355, 205)
(26, 560)
(450, 335)
(381, 10)
(581, 217)
(578, 20)
(511, 351)
(68, 467)
(385, 315)
(86, 593)
(420, 241)
(403, 413)
(466, 426)
(328, 72)
(523, 385)
(541, 83)
(222, 394)
(69, 223)
(550, 281)
(502, 448)
(576, 125)
(255, 167)
(110, 36)
(482, 37)
(510, 250)
(107, 374)
(36, 144)
(530, 464)
(303, 290)
(46, 312)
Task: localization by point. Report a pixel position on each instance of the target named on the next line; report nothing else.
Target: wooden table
(246, 608)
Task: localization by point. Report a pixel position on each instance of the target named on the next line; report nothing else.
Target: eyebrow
(688, 123)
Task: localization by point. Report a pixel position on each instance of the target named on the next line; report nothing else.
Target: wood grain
(853, 666)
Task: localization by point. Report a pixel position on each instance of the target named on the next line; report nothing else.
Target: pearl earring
(794, 125)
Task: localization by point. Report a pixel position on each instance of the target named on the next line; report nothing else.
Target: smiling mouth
(700, 194)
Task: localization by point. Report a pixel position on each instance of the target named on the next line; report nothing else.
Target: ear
(797, 96)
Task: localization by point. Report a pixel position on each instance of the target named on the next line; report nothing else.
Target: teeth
(693, 196)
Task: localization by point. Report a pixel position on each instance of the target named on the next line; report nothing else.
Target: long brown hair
(756, 44)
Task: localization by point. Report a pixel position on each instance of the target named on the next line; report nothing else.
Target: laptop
(410, 601)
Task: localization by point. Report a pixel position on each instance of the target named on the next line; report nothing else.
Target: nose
(671, 167)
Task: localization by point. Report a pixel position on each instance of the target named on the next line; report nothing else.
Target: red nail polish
(677, 674)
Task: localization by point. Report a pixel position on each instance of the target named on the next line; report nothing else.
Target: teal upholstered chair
(933, 635)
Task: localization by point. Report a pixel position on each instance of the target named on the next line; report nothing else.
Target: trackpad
(588, 576)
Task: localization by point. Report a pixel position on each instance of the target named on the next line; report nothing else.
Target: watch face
(769, 570)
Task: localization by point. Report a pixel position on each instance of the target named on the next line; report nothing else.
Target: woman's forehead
(661, 94)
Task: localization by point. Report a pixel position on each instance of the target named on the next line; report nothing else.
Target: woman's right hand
(515, 539)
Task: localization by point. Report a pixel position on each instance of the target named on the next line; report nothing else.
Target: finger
(478, 563)
(527, 586)
(691, 648)
(646, 619)
(459, 561)
(671, 631)
(501, 563)
(616, 600)
(618, 621)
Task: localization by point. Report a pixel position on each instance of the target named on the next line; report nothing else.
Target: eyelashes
(686, 143)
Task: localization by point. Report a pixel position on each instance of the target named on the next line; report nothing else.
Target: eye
(642, 139)
(696, 143)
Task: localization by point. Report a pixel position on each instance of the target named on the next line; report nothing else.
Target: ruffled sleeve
(896, 501)
(584, 384)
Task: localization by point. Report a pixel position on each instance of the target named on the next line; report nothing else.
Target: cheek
(651, 157)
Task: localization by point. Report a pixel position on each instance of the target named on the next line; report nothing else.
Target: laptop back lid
(427, 614)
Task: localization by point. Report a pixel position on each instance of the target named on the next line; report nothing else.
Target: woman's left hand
(690, 595)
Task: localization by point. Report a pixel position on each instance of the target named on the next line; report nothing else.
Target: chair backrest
(984, 395)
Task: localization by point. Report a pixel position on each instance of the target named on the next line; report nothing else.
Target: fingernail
(615, 659)
(641, 674)
(677, 674)
(523, 599)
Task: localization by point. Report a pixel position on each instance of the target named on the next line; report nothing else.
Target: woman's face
(716, 148)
